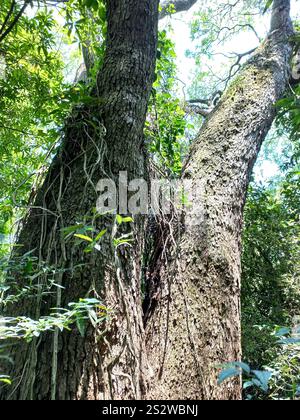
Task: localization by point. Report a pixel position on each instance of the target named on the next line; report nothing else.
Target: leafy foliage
(270, 287)
(86, 23)
(281, 380)
(30, 90)
(34, 97)
(63, 319)
(288, 121)
(285, 382)
(166, 123)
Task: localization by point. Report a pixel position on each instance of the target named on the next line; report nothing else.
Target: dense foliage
(31, 86)
(271, 294)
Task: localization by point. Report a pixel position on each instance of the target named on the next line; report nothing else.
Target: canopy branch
(14, 22)
(178, 5)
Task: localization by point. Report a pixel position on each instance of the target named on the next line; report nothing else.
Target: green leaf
(228, 373)
(100, 235)
(89, 3)
(128, 220)
(71, 229)
(263, 378)
(282, 332)
(247, 384)
(268, 5)
(83, 237)
(102, 12)
(121, 219)
(5, 379)
(246, 368)
(81, 324)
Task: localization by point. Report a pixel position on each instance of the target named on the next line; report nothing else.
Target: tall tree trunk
(100, 141)
(196, 323)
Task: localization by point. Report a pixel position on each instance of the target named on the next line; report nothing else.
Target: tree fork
(195, 323)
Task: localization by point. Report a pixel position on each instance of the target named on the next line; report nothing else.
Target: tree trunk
(196, 323)
(100, 141)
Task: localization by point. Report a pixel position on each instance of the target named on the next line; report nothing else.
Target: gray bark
(196, 323)
(88, 59)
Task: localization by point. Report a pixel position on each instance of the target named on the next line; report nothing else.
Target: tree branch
(281, 17)
(193, 105)
(15, 20)
(236, 66)
(10, 12)
(194, 109)
(179, 5)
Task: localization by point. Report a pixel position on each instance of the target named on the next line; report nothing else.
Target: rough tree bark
(196, 323)
(100, 141)
(177, 6)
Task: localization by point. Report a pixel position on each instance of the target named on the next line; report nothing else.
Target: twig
(10, 12)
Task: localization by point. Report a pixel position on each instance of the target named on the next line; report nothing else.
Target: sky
(181, 27)
(181, 36)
